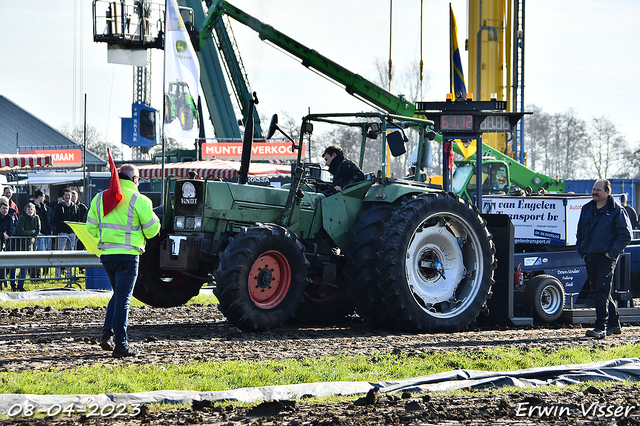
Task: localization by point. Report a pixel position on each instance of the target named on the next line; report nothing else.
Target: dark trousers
(122, 275)
(600, 272)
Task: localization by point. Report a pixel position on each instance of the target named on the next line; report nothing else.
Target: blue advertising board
(141, 128)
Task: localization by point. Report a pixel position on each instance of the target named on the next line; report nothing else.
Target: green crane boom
(360, 87)
(354, 84)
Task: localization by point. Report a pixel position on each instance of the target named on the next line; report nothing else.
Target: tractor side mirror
(396, 140)
(307, 128)
(273, 126)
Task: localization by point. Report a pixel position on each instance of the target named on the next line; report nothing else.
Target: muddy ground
(42, 338)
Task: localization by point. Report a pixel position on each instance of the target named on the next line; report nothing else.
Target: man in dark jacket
(604, 231)
(45, 213)
(65, 211)
(8, 192)
(345, 172)
(81, 208)
(631, 212)
(46, 219)
(7, 227)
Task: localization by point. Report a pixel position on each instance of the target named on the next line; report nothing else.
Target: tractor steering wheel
(318, 184)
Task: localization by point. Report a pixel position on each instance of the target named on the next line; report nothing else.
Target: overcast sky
(580, 54)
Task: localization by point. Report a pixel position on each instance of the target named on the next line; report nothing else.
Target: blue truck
(548, 280)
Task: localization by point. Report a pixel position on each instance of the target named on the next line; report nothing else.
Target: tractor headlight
(197, 223)
(179, 222)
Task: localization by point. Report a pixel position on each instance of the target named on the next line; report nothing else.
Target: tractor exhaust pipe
(247, 142)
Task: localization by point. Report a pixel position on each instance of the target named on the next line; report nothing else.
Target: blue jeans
(43, 243)
(122, 271)
(12, 276)
(22, 276)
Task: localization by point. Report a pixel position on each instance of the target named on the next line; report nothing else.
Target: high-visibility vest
(124, 229)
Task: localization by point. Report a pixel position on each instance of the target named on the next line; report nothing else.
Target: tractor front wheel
(261, 277)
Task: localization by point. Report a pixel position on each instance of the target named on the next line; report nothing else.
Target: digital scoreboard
(465, 123)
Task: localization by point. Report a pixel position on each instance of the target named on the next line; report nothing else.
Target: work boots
(125, 350)
(104, 343)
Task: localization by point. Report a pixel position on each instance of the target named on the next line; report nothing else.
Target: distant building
(23, 133)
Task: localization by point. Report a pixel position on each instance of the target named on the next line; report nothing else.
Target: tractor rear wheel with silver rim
(437, 264)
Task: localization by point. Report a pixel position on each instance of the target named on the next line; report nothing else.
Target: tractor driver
(345, 172)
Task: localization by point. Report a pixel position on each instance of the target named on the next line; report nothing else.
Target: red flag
(112, 196)
(448, 149)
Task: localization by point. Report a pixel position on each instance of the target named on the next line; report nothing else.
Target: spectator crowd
(35, 227)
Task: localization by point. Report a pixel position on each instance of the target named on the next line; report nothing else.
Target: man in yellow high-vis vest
(121, 219)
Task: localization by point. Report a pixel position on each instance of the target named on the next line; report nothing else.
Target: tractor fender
(392, 193)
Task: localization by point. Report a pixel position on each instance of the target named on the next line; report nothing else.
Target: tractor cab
(495, 178)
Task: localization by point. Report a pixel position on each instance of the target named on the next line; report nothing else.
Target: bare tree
(606, 147)
(555, 144)
(631, 164)
(576, 141)
(537, 133)
(383, 73)
(349, 139)
(95, 141)
(569, 134)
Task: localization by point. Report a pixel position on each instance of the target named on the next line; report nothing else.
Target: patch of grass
(226, 375)
(81, 302)
(91, 302)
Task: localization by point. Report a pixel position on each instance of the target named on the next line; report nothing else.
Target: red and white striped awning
(219, 169)
(24, 161)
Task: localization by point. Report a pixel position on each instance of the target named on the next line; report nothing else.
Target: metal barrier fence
(45, 257)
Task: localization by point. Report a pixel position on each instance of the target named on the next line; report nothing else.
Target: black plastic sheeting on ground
(614, 370)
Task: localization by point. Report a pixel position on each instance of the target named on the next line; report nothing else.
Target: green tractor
(179, 103)
(399, 252)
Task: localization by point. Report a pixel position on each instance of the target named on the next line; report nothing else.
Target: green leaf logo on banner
(181, 46)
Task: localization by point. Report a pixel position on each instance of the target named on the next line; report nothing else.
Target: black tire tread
(231, 277)
(361, 255)
(153, 291)
(397, 297)
(531, 298)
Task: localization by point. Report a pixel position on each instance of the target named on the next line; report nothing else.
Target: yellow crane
(495, 47)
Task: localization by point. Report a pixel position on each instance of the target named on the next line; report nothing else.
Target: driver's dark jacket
(345, 172)
(604, 230)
